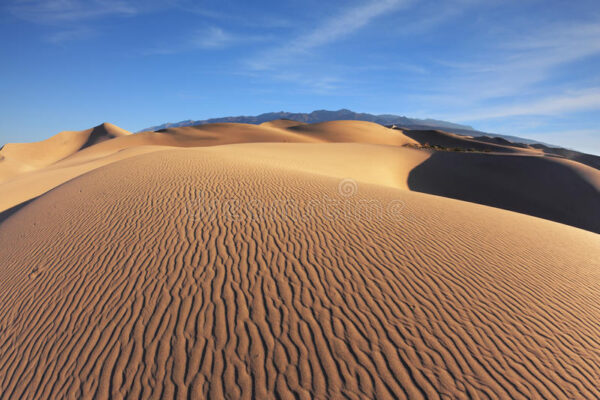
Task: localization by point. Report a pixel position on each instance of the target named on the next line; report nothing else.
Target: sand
(184, 265)
(16, 158)
(546, 187)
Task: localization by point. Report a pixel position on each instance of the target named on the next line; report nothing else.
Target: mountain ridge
(320, 116)
(345, 114)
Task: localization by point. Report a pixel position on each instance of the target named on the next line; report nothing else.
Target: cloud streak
(575, 101)
(69, 10)
(346, 22)
(213, 38)
(208, 38)
(517, 63)
(69, 35)
(58, 11)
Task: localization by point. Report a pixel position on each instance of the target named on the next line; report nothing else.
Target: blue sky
(529, 68)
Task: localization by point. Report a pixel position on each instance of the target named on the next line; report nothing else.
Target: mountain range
(323, 116)
(348, 115)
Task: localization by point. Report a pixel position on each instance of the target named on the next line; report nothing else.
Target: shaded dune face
(538, 186)
(143, 279)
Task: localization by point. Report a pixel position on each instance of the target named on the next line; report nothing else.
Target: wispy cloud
(63, 36)
(49, 11)
(74, 19)
(323, 85)
(516, 63)
(208, 38)
(431, 14)
(212, 38)
(289, 60)
(232, 15)
(557, 104)
(346, 22)
(586, 140)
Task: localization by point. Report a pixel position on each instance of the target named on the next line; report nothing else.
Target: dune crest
(282, 123)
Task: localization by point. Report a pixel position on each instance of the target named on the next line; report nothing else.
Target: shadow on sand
(530, 185)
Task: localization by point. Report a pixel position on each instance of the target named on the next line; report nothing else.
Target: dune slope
(368, 163)
(178, 274)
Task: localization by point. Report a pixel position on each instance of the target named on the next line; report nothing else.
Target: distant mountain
(343, 114)
(324, 116)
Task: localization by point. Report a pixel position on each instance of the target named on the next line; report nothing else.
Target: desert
(222, 261)
(298, 200)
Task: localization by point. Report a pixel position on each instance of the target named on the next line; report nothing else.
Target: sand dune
(295, 261)
(587, 159)
(568, 194)
(16, 158)
(383, 165)
(354, 132)
(284, 131)
(33, 184)
(71, 163)
(139, 280)
(453, 141)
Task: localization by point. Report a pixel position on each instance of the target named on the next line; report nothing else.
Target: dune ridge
(568, 196)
